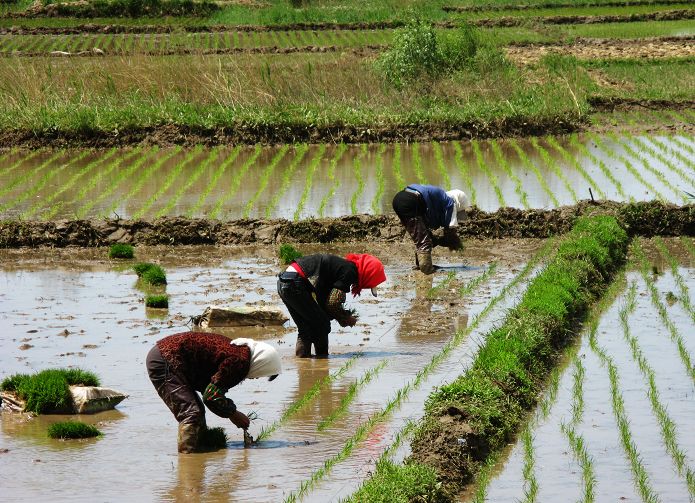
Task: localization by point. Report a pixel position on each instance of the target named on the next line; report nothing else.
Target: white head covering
(265, 360)
(461, 202)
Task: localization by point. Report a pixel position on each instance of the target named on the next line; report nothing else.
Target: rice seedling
(219, 171)
(417, 164)
(357, 170)
(236, 181)
(468, 288)
(396, 166)
(213, 438)
(157, 301)
(9, 169)
(123, 174)
(304, 400)
(350, 395)
(379, 173)
(203, 166)
(570, 159)
(288, 254)
(65, 430)
(484, 477)
(152, 274)
(551, 393)
(299, 154)
(121, 250)
(674, 334)
(335, 182)
(534, 169)
(552, 165)
(684, 297)
(502, 161)
(441, 166)
(685, 159)
(574, 142)
(29, 176)
(580, 452)
(530, 482)
(169, 181)
(265, 177)
(482, 165)
(432, 292)
(309, 179)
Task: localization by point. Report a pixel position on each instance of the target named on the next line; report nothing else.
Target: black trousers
(313, 323)
(411, 210)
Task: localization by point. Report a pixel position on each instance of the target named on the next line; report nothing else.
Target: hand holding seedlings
(240, 420)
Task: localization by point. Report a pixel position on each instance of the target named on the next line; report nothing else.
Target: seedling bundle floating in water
(72, 429)
(150, 273)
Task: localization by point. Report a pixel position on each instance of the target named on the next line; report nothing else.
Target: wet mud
(643, 219)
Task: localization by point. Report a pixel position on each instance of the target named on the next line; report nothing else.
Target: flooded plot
(63, 308)
(620, 427)
(303, 181)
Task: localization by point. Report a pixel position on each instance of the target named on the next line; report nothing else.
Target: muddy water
(557, 472)
(75, 308)
(242, 182)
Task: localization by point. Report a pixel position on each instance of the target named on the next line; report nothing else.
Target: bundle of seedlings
(288, 254)
(151, 274)
(157, 301)
(479, 413)
(213, 438)
(120, 250)
(65, 430)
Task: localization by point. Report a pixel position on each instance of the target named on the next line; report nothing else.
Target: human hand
(350, 321)
(240, 420)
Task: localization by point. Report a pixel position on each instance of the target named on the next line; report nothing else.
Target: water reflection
(192, 478)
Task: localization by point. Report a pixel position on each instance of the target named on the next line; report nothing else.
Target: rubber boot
(424, 259)
(189, 434)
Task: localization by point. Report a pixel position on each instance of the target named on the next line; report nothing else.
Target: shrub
(48, 389)
(120, 250)
(150, 273)
(213, 438)
(288, 254)
(72, 429)
(157, 301)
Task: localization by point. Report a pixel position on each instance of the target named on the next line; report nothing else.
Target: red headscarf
(370, 271)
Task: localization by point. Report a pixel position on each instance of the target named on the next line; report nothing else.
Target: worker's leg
(312, 322)
(422, 237)
(321, 346)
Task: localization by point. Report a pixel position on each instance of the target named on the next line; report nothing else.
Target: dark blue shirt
(440, 207)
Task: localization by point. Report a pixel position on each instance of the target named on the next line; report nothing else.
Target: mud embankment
(556, 5)
(644, 219)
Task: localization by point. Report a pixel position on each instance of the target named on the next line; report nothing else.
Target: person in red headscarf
(314, 290)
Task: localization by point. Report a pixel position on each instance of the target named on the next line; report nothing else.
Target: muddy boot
(189, 434)
(303, 348)
(424, 259)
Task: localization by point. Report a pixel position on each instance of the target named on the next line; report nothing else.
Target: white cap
(461, 202)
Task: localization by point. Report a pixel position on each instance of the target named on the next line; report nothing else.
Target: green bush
(213, 438)
(157, 301)
(288, 254)
(49, 389)
(150, 273)
(120, 250)
(72, 429)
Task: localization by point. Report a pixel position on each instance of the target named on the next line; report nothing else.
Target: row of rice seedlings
(190, 180)
(482, 165)
(45, 202)
(502, 161)
(299, 154)
(219, 171)
(8, 153)
(642, 145)
(534, 169)
(396, 167)
(441, 166)
(571, 160)
(236, 180)
(685, 159)
(659, 175)
(349, 397)
(550, 163)
(574, 141)
(334, 180)
(122, 175)
(401, 394)
(666, 424)
(688, 245)
(171, 177)
(530, 482)
(6, 171)
(639, 473)
(29, 176)
(469, 287)
(432, 292)
(677, 276)
(309, 179)
(357, 170)
(312, 393)
(37, 186)
(265, 177)
(379, 173)
(625, 162)
(417, 164)
(674, 334)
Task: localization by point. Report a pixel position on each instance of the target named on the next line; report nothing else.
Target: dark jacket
(326, 272)
(440, 207)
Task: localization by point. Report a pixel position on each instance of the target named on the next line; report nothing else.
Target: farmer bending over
(182, 364)
(314, 289)
(424, 208)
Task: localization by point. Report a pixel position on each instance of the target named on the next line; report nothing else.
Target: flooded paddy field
(335, 180)
(74, 307)
(617, 423)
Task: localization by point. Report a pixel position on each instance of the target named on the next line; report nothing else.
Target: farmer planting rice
(314, 290)
(424, 208)
(182, 364)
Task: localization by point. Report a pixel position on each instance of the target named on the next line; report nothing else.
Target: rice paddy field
(254, 115)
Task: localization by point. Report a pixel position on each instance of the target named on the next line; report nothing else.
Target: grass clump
(157, 301)
(213, 438)
(150, 273)
(288, 254)
(400, 483)
(120, 250)
(72, 429)
(48, 390)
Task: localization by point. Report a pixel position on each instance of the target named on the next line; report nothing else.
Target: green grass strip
(236, 180)
(534, 169)
(482, 165)
(305, 399)
(572, 161)
(309, 180)
(396, 167)
(335, 181)
(265, 178)
(349, 397)
(299, 153)
(417, 164)
(552, 165)
(441, 165)
(219, 171)
(684, 297)
(574, 141)
(502, 161)
(357, 171)
(674, 335)
(379, 173)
